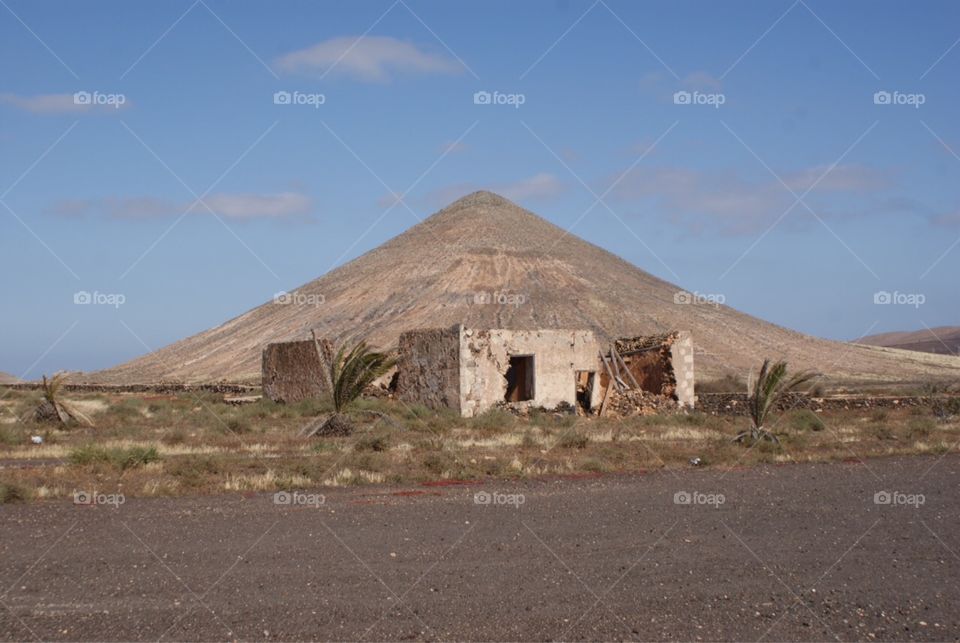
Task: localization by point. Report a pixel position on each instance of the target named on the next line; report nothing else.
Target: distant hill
(944, 340)
(6, 378)
(488, 263)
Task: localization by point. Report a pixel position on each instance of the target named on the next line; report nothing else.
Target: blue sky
(781, 185)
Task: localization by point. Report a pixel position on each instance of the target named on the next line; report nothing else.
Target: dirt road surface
(796, 552)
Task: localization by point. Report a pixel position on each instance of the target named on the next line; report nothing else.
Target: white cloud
(59, 104)
(232, 206)
(252, 206)
(369, 59)
(731, 204)
(540, 187)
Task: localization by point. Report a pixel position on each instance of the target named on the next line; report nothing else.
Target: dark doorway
(519, 378)
(584, 391)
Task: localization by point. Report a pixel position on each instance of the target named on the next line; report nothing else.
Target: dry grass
(151, 445)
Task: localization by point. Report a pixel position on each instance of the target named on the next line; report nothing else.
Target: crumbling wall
(661, 364)
(558, 355)
(428, 368)
(292, 371)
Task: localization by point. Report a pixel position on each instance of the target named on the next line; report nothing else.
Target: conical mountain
(485, 262)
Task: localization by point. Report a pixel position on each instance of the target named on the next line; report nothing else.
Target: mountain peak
(481, 197)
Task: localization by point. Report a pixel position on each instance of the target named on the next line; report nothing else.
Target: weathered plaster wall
(291, 371)
(484, 358)
(428, 368)
(682, 359)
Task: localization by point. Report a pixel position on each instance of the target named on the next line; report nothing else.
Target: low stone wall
(161, 387)
(735, 403)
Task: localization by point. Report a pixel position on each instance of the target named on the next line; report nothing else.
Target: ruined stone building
(473, 370)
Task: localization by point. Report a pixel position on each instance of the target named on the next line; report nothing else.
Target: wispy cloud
(731, 204)
(77, 103)
(283, 205)
(367, 58)
(539, 187)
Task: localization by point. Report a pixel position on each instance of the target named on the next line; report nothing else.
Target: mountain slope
(944, 340)
(449, 269)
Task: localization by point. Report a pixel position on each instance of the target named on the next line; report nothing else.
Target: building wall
(558, 354)
(291, 372)
(428, 368)
(682, 360)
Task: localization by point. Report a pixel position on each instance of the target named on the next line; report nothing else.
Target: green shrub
(805, 420)
(494, 421)
(573, 439)
(437, 462)
(239, 426)
(378, 442)
(920, 427)
(175, 436)
(883, 432)
(10, 436)
(122, 459)
(323, 446)
(10, 493)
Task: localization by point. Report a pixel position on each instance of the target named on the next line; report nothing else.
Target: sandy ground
(798, 552)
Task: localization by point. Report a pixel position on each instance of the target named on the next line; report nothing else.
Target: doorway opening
(520, 381)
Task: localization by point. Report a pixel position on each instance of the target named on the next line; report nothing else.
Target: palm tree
(350, 373)
(765, 390)
(55, 409)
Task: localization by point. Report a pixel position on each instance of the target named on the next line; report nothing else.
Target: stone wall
(736, 403)
(428, 368)
(292, 371)
(661, 364)
(557, 356)
(681, 358)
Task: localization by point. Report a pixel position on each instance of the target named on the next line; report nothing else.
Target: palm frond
(352, 371)
(765, 389)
